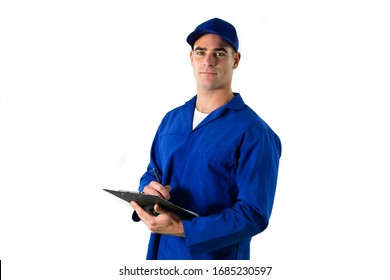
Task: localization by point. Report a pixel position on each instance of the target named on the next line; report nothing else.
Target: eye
(201, 53)
(220, 54)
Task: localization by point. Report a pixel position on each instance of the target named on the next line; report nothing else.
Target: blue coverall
(225, 170)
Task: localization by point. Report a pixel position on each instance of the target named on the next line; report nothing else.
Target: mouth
(207, 73)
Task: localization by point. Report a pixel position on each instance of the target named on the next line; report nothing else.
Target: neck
(207, 102)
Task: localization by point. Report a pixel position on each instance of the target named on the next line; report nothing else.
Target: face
(213, 61)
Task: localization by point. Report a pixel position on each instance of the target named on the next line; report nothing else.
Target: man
(215, 157)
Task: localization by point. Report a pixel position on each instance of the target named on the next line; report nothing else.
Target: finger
(155, 188)
(159, 209)
(166, 213)
(136, 206)
(140, 211)
(145, 216)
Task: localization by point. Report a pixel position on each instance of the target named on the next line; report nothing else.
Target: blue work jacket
(225, 170)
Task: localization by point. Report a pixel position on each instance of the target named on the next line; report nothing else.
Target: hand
(155, 188)
(166, 222)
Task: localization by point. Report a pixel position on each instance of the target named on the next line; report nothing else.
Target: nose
(209, 60)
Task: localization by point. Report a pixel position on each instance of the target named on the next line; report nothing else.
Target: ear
(236, 58)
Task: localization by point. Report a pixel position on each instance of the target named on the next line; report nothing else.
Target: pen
(156, 176)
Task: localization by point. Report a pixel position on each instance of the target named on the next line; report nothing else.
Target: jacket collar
(237, 103)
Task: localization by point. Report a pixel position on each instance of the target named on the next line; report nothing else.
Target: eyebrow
(215, 50)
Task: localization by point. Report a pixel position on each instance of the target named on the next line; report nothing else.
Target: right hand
(157, 189)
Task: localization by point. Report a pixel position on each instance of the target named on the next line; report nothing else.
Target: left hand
(166, 222)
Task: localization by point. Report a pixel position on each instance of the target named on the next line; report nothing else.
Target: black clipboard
(147, 202)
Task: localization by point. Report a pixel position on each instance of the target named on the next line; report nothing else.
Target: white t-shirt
(198, 118)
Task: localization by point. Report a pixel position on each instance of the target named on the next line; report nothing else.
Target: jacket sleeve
(256, 180)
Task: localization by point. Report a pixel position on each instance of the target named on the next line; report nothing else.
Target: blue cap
(218, 27)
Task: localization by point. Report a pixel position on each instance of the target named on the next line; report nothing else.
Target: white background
(84, 85)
